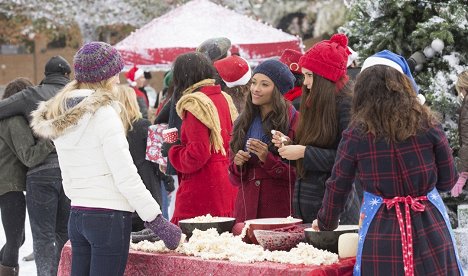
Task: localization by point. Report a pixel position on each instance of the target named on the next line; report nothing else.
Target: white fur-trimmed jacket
(97, 168)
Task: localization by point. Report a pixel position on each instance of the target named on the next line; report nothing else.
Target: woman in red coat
(201, 155)
(400, 154)
(266, 181)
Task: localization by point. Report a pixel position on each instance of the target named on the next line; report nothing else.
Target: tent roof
(184, 28)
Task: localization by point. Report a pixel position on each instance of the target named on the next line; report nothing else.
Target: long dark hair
(385, 104)
(190, 68)
(319, 121)
(277, 119)
(238, 95)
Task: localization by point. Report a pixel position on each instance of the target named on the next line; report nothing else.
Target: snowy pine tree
(406, 27)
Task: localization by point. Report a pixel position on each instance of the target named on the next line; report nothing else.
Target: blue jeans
(100, 241)
(164, 201)
(48, 210)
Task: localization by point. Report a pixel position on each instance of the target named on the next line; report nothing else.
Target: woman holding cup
(201, 154)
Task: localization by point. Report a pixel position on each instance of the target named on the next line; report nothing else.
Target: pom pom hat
(96, 61)
(234, 70)
(291, 58)
(133, 74)
(278, 72)
(393, 60)
(328, 58)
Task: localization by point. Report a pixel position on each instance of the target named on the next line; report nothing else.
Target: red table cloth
(145, 264)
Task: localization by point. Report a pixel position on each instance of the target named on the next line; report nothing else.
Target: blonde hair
(462, 83)
(127, 97)
(58, 104)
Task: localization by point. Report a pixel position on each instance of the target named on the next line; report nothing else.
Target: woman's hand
(292, 152)
(315, 226)
(279, 139)
(241, 157)
(258, 147)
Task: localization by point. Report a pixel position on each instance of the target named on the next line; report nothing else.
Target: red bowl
(268, 224)
(279, 240)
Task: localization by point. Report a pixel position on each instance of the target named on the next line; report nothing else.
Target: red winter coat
(267, 187)
(203, 174)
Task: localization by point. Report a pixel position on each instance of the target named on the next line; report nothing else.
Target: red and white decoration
(170, 135)
(154, 144)
(156, 45)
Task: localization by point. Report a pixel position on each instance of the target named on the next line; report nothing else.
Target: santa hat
(234, 70)
(328, 58)
(133, 74)
(393, 60)
(291, 58)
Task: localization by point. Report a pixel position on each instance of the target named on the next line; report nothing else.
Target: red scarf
(293, 93)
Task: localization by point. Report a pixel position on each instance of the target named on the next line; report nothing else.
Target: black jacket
(318, 163)
(169, 116)
(26, 101)
(147, 170)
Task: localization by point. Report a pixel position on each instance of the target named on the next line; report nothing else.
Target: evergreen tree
(408, 26)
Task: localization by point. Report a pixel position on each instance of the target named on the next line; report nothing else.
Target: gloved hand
(167, 146)
(458, 188)
(169, 183)
(145, 234)
(169, 233)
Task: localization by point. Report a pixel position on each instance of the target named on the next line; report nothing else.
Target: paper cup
(347, 245)
(170, 135)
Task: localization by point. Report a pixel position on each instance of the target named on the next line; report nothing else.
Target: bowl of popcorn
(280, 239)
(221, 224)
(328, 240)
(268, 224)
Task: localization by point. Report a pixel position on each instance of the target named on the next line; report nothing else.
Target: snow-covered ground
(26, 268)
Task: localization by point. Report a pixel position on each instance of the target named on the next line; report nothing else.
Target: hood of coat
(81, 105)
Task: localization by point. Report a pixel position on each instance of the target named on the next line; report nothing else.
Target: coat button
(257, 183)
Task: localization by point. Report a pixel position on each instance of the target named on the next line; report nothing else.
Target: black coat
(148, 171)
(317, 164)
(168, 115)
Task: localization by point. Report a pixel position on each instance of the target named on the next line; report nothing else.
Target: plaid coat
(428, 163)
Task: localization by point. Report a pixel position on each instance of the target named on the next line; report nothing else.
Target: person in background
(86, 125)
(265, 182)
(462, 89)
(325, 113)
(215, 49)
(136, 80)
(18, 151)
(291, 58)
(201, 154)
(49, 217)
(235, 73)
(136, 136)
(399, 152)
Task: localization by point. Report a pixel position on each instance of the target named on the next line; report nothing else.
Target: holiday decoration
(429, 52)
(437, 45)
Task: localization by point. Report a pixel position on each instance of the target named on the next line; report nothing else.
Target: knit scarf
(203, 108)
(293, 93)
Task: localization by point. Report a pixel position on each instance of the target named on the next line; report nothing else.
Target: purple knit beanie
(97, 61)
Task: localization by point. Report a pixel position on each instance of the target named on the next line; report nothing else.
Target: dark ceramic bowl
(328, 240)
(268, 224)
(223, 224)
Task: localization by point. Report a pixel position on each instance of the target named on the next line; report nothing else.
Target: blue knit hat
(97, 61)
(393, 60)
(278, 72)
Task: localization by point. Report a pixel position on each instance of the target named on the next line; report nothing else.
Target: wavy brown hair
(239, 95)
(319, 122)
(385, 104)
(277, 119)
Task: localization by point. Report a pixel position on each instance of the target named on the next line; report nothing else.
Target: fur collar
(53, 127)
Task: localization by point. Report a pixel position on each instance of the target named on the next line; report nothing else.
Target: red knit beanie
(327, 58)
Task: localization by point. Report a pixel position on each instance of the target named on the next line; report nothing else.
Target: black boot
(8, 270)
